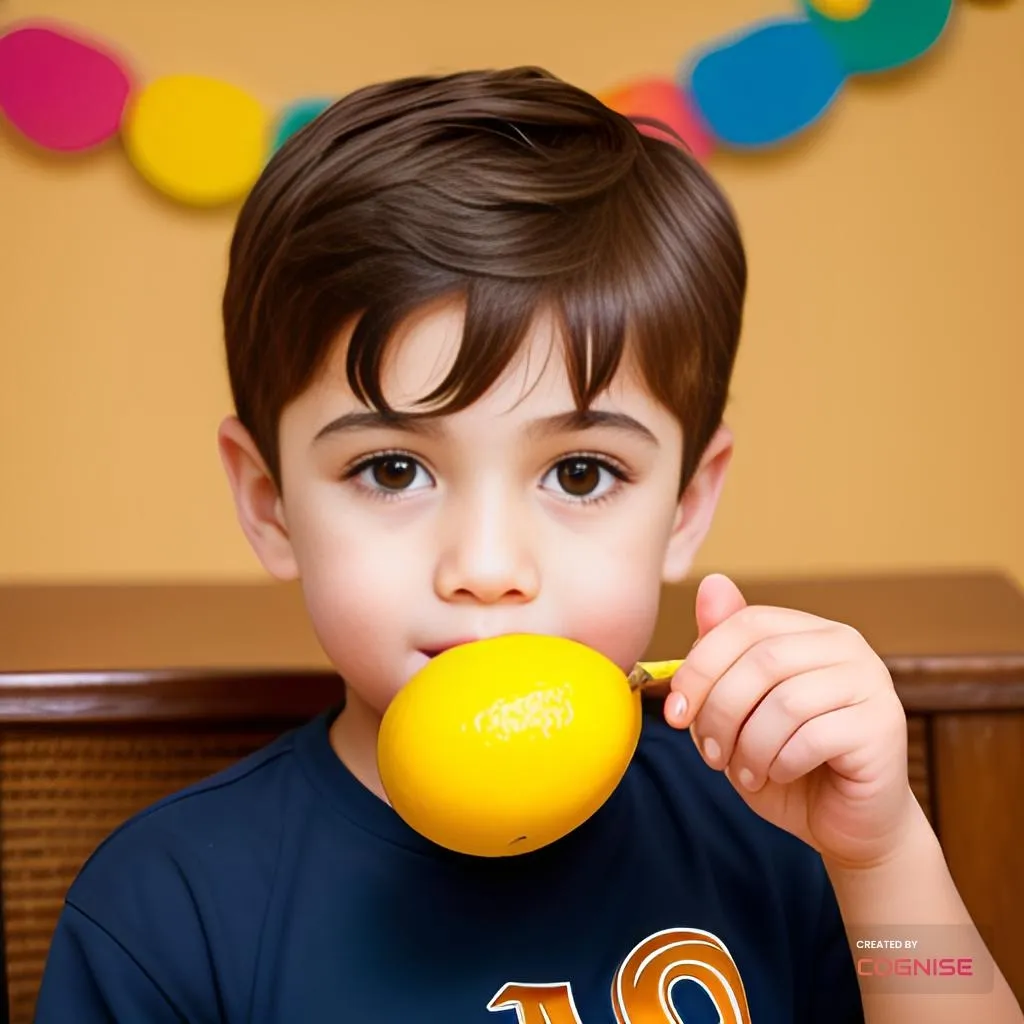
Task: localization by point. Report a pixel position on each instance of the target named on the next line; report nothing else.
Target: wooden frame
(152, 687)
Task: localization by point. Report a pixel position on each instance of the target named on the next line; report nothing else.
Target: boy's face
(483, 522)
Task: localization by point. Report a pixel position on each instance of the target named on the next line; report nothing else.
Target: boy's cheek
(361, 619)
(619, 625)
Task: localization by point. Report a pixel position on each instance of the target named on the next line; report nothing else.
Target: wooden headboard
(79, 756)
(113, 697)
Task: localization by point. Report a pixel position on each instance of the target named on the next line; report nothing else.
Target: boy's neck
(353, 738)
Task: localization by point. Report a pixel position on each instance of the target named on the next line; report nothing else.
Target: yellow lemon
(501, 746)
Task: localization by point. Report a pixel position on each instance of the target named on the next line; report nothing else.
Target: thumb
(717, 598)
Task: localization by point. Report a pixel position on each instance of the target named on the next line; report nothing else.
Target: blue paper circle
(767, 84)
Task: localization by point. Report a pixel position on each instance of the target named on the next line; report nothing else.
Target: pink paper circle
(61, 93)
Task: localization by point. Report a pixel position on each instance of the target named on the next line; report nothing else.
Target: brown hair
(508, 189)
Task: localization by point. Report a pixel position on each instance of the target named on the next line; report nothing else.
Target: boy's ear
(257, 502)
(697, 506)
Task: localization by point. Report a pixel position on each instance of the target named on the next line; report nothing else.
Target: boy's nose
(486, 556)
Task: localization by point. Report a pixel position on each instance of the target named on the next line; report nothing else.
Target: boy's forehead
(424, 349)
(421, 353)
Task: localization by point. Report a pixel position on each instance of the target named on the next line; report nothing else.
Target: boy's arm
(91, 979)
(804, 720)
(914, 888)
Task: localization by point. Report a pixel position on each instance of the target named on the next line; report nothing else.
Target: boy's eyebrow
(560, 423)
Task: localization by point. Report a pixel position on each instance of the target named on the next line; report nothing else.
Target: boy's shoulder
(213, 808)
(225, 826)
(171, 906)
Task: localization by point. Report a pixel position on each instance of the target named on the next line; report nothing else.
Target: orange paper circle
(200, 140)
(662, 98)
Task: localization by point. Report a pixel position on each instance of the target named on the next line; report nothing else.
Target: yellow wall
(879, 397)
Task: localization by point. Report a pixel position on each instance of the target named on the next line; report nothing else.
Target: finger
(717, 598)
(713, 655)
(836, 738)
(761, 669)
(784, 710)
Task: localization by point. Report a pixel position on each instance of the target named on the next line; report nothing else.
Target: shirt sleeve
(835, 993)
(91, 979)
(133, 941)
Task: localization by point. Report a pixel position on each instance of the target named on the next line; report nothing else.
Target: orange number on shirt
(642, 986)
(641, 991)
(537, 1004)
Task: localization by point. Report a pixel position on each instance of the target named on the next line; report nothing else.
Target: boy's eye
(392, 472)
(584, 477)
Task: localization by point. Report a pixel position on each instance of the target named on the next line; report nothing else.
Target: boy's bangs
(596, 318)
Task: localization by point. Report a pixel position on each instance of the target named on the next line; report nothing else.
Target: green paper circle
(888, 34)
(295, 116)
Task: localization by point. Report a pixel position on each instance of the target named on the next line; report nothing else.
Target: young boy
(480, 332)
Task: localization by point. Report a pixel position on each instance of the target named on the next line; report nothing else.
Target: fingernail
(712, 751)
(677, 705)
(746, 777)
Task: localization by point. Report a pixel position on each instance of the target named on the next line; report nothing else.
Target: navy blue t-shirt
(282, 891)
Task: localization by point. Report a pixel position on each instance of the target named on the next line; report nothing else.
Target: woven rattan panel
(61, 793)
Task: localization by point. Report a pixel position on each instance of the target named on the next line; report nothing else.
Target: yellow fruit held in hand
(501, 746)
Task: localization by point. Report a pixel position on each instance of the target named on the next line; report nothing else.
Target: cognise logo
(905, 966)
(642, 986)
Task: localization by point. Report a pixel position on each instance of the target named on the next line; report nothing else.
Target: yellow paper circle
(840, 10)
(200, 140)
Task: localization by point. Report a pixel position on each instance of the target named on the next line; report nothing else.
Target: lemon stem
(648, 673)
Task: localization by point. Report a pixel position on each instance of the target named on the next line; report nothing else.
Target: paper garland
(664, 100)
(199, 140)
(62, 94)
(889, 32)
(203, 141)
(768, 84)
